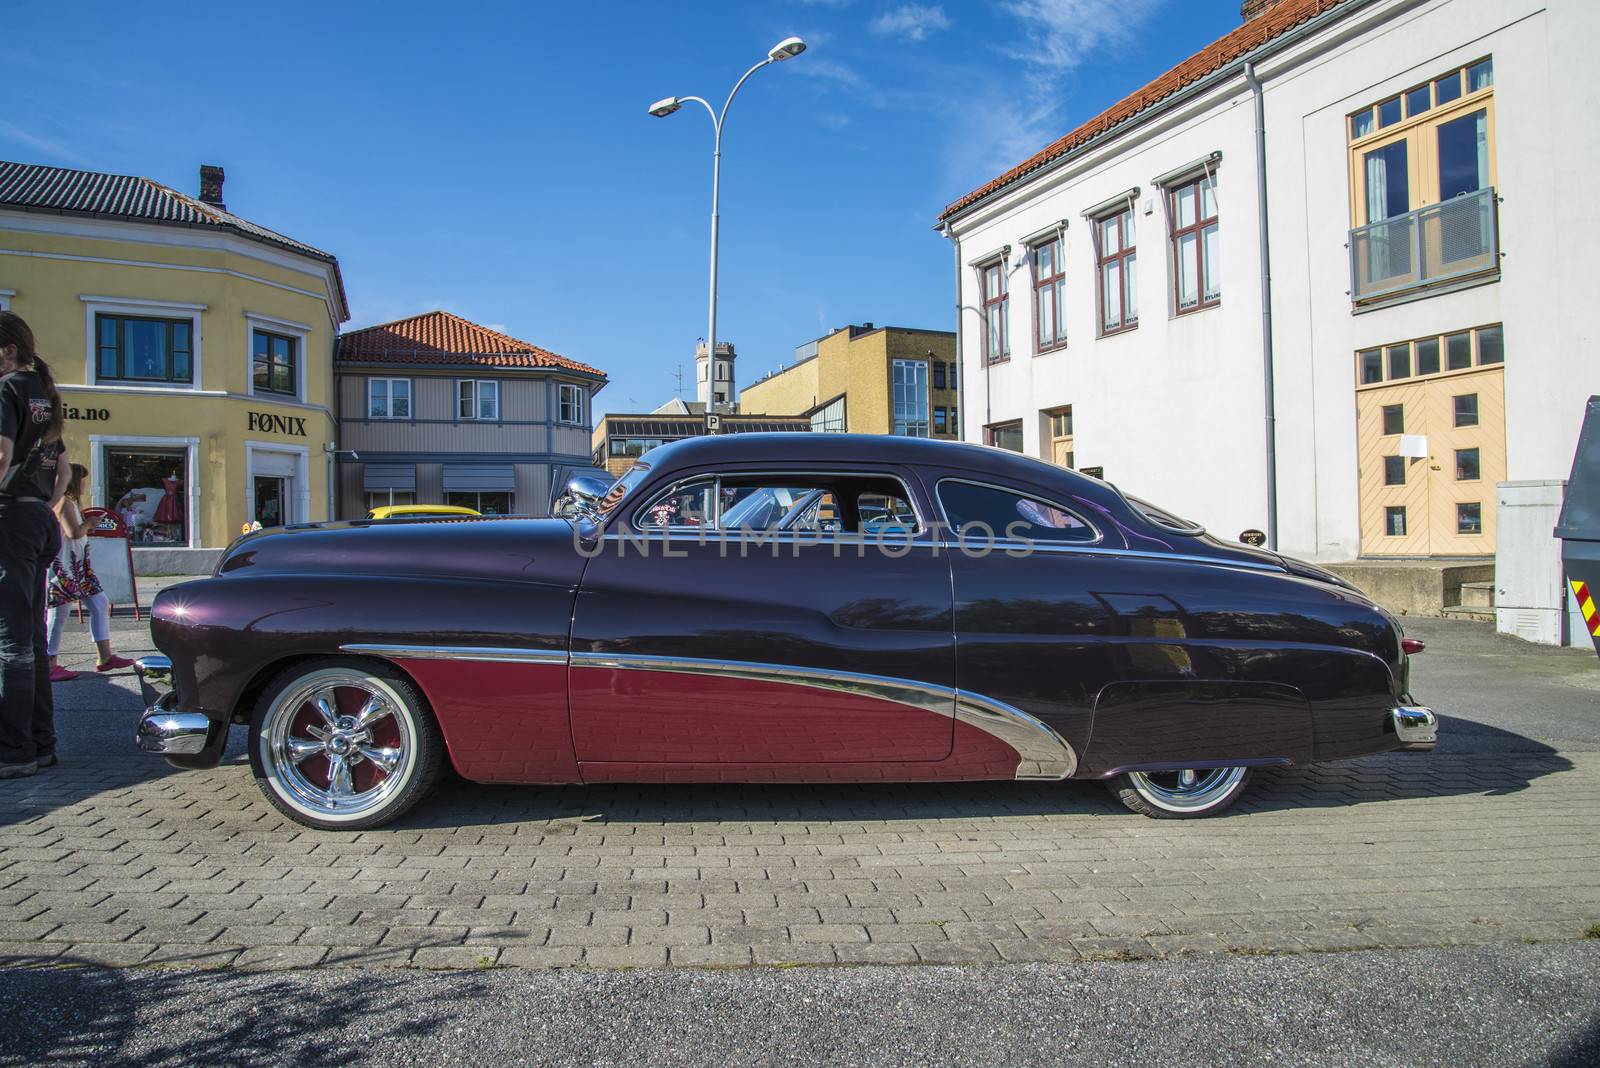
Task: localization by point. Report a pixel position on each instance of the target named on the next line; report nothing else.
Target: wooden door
(1394, 489)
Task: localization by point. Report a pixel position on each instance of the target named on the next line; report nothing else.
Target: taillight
(1411, 646)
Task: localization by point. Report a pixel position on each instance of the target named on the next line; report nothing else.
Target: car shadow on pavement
(1495, 763)
(61, 1010)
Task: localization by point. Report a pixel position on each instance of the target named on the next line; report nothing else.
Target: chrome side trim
(928, 697)
(482, 653)
(1045, 754)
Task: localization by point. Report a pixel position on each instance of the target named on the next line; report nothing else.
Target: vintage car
(777, 608)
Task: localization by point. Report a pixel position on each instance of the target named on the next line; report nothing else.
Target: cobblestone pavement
(115, 858)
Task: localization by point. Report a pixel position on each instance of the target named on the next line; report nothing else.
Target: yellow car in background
(397, 511)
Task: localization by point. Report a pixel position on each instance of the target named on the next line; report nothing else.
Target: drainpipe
(961, 370)
(1266, 306)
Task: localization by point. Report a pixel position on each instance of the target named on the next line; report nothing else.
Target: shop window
(487, 502)
(1394, 470)
(389, 398)
(570, 406)
(272, 363)
(148, 488)
(1469, 518)
(478, 399)
(135, 348)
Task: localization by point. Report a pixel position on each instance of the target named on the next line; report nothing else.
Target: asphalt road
(1502, 1005)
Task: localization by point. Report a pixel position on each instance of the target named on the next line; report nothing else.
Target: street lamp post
(788, 48)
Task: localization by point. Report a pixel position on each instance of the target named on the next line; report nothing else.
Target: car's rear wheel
(344, 744)
(1185, 794)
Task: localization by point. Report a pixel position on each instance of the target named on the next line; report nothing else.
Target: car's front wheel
(344, 745)
(1184, 794)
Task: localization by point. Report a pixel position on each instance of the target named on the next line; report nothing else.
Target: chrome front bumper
(161, 728)
(1415, 726)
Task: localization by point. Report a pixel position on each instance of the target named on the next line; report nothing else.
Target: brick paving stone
(276, 958)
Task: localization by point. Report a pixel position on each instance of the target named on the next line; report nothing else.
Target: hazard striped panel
(1591, 615)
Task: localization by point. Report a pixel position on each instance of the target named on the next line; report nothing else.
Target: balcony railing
(1439, 243)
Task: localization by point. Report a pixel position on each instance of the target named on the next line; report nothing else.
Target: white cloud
(38, 143)
(1061, 33)
(911, 21)
(827, 70)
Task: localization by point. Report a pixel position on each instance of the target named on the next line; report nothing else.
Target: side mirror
(582, 498)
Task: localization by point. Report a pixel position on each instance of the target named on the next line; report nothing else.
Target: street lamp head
(662, 108)
(787, 48)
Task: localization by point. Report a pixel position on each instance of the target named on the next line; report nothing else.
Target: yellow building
(867, 380)
(193, 348)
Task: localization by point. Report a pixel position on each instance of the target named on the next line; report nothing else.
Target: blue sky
(496, 160)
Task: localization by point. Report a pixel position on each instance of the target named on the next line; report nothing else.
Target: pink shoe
(61, 674)
(114, 664)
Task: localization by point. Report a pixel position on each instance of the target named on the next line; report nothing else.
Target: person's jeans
(29, 540)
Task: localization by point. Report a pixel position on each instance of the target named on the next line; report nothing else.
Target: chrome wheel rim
(1188, 790)
(338, 745)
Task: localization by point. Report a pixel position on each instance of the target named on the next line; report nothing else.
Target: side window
(684, 506)
(988, 512)
(782, 503)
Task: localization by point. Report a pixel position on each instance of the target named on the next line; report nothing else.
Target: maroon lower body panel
(502, 722)
(631, 716)
(977, 755)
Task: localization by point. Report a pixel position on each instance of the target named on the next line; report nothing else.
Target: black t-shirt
(25, 419)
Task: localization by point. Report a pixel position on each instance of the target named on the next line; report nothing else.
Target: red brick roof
(1273, 22)
(36, 187)
(439, 337)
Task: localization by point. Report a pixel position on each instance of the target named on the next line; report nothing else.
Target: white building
(1434, 250)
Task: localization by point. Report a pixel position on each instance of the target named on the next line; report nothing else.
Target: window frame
(477, 385)
(998, 306)
(1176, 233)
(580, 405)
(1414, 373)
(1005, 424)
(389, 416)
(295, 362)
(1056, 284)
(1126, 253)
(120, 346)
(901, 427)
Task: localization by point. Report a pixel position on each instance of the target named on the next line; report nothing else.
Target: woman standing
(72, 580)
(33, 476)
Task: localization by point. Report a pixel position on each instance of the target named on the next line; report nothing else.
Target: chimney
(211, 177)
(1250, 9)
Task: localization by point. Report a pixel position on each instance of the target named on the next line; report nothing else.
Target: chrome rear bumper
(1415, 726)
(162, 729)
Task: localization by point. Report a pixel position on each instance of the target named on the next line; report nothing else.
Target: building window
(1394, 470)
(1192, 209)
(955, 376)
(1469, 518)
(829, 419)
(148, 488)
(1049, 297)
(938, 374)
(570, 406)
(1394, 419)
(1116, 260)
(1466, 409)
(1439, 354)
(272, 363)
(478, 399)
(485, 502)
(909, 379)
(389, 398)
(996, 306)
(386, 497)
(941, 420)
(133, 348)
(1468, 465)
(634, 447)
(1004, 435)
(1394, 522)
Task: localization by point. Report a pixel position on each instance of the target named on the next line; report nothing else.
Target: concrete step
(1415, 587)
(1477, 615)
(1477, 595)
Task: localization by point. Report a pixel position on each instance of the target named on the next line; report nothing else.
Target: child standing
(72, 579)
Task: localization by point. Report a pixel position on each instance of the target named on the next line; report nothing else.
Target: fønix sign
(268, 423)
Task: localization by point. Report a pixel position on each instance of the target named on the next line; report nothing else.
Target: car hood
(505, 549)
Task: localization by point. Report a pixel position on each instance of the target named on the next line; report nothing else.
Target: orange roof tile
(1273, 22)
(438, 337)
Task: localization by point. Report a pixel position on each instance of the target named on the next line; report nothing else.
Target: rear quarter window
(989, 512)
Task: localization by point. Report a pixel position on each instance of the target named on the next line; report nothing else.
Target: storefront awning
(390, 477)
(479, 477)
